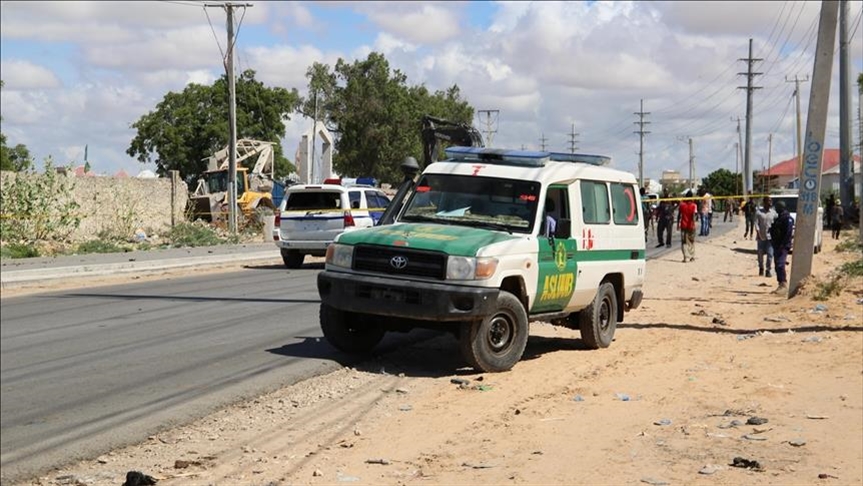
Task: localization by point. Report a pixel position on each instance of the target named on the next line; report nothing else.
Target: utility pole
(542, 141)
(816, 125)
(641, 134)
(312, 163)
(769, 162)
(846, 151)
(572, 140)
(860, 147)
(489, 123)
(737, 167)
(691, 165)
(232, 114)
(747, 159)
(797, 82)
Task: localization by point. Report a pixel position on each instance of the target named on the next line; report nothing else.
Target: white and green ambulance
(487, 241)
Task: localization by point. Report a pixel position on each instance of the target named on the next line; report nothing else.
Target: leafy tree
(376, 114)
(15, 158)
(187, 127)
(722, 182)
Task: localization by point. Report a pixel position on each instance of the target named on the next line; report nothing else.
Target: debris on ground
(746, 463)
(137, 478)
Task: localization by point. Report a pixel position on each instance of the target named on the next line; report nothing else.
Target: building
(786, 174)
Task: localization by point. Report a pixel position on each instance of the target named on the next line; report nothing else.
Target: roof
(789, 167)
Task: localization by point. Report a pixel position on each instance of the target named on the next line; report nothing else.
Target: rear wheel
(348, 331)
(497, 342)
(293, 258)
(598, 321)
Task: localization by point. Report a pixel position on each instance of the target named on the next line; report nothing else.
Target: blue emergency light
(526, 158)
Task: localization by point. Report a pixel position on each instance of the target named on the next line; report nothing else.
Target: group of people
(688, 214)
(774, 235)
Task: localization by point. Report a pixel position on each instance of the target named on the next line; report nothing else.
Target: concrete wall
(117, 207)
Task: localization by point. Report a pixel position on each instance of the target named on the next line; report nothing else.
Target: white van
(487, 241)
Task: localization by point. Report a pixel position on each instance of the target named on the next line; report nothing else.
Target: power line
(641, 132)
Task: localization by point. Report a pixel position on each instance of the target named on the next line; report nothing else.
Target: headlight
(340, 255)
(469, 268)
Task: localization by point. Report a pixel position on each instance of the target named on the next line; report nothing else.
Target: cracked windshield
(503, 204)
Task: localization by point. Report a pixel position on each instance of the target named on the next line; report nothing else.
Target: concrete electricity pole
(797, 82)
(747, 160)
(691, 165)
(846, 151)
(769, 162)
(641, 134)
(232, 114)
(816, 125)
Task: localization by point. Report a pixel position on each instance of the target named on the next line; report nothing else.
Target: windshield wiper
(489, 224)
(423, 217)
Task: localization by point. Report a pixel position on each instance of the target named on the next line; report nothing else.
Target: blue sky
(80, 73)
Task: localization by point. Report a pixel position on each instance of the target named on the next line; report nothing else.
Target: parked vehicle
(487, 241)
(310, 217)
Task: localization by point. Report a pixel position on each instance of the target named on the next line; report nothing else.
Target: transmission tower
(490, 124)
(641, 133)
(542, 141)
(573, 142)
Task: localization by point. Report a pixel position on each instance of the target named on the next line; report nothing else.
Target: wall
(117, 207)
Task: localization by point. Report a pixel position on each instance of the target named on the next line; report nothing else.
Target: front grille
(378, 259)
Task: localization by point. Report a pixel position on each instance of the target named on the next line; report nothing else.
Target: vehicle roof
(551, 172)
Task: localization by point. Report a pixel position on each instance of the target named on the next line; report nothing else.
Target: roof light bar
(526, 158)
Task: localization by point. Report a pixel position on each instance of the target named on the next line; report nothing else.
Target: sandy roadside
(657, 407)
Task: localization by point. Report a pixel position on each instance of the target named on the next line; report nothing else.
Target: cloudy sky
(80, 73)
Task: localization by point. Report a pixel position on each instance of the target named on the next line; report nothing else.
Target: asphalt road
(85, 371)
(88, 370)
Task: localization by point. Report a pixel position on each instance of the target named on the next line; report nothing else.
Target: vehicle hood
(454, 240)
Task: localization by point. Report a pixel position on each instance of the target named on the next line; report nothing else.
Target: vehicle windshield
(506, 204)
(218, 182)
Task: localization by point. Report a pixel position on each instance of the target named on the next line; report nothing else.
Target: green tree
(15, 158)
(376, 114)
(722, 182)
(187, 127)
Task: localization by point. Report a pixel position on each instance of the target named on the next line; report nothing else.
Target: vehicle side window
(354, 197)
(383, 200)
(623, 203)
(594, 203)
(373, 200)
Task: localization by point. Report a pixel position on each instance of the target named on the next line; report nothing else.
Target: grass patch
(18, 250)
(853, 268)
(197, 233)
(851, 243)
(99, 246)
(838, 279)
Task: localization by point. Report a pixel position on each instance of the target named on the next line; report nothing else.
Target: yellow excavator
(209, 200)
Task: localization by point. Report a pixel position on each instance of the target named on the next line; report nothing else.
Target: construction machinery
(435, 132)
(209, 200)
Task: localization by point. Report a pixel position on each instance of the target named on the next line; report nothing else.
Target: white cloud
(416, 22)
(386, 44)
(24, 75)
(285, 66)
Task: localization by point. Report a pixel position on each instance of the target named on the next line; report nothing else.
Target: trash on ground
(383, 462)
(777, 319)
(654, 482)
(797, 442)
(745, 463)
(720, 321)
(405, 408)
(744, 337)
(754, 437)
(812, 339)
(459, 381)
(826, 476)
(756, 421)
(709, 469)
(578, 398)
(137, 478)
(478, 465)
(623, 397)
(664, 421)
(820, 308)
(817, 417)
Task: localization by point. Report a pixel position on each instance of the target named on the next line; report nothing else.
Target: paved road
(84, 371)
(88, 370)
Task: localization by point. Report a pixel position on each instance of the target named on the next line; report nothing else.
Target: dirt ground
(668, 403)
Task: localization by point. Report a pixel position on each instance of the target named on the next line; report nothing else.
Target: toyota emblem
(398, 262)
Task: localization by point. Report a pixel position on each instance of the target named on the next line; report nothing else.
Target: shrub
(19, 250)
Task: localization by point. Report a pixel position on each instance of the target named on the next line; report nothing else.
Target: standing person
(706, 211)
(645, 211)
(749, 211)
(666, 218)
(781, 237)
(837, 215)
(764, 219)
(686, 225)
(831, 201)
(729, 211)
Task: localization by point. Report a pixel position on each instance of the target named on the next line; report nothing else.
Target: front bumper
(408, 299)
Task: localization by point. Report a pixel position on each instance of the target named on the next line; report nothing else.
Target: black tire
(598, 321)
(497, 342)
(293, 258)
(350, 332)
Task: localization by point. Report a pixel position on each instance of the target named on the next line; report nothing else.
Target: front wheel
(496, 342)
(349, 332)
(598, 321)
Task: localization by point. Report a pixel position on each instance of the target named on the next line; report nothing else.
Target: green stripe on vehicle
(452, 239)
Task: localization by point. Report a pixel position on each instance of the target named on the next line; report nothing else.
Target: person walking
(764, 219)
(729, 211)
(781, 237)
(749, 211)
(837, 215)
(664, 223)
(686, 225)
